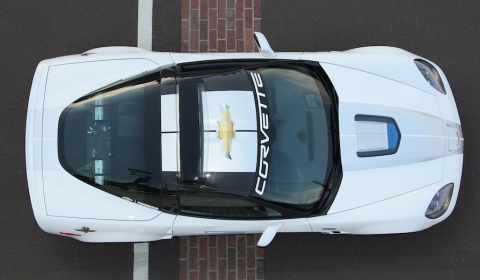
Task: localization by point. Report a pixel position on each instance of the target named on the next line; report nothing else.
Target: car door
(204, 213)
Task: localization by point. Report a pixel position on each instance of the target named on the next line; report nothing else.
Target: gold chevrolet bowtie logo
(226, 131)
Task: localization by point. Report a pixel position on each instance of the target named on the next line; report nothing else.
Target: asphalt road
(443, 31)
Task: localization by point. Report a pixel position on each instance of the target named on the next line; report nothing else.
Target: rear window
(110, 139)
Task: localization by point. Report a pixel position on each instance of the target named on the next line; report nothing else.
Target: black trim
(286, 213)
(228, 65)
(168, 72)
(336, 175)
(331, 190)
(170, 201)
(221, 64)
(257, 43)
(131, 81)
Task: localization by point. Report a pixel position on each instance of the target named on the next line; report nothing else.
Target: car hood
(417, 163)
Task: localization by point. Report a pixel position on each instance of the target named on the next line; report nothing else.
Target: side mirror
(263, 45)
(269, 234)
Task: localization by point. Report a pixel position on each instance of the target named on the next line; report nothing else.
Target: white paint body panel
(399, 214)
(243, 151)
(388, 62)
(422, 146)
(242, 109)
(170, 152)
(169, 117)
(157, 228)
(185, 226)
(33, 142)
(191, 57)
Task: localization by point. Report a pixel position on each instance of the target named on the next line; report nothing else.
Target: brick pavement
(221, 257)
(220, 26)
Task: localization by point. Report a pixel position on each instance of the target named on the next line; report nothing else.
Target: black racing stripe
(191, 144)
(234, 81)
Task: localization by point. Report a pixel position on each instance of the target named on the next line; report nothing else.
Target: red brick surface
(241, 269)
(194, 40)
(221, 8)
(231, 18)
(257, 10)
(193, 19)
(220, 26)
(193, 4)
(212, 41)
(230, 40)
(239, 9)
(206, 24)
(213, 275)
(202, 250)
(248, 19)
(221, 257)
(185, 9)
(203, 8)
(239, 31)
(222, 252)
(257, 25)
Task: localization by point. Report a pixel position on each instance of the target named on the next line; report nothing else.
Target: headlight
(430, 74)
(440, 201)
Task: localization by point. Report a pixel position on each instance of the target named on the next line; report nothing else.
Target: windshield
(262, 133)
(295, 149)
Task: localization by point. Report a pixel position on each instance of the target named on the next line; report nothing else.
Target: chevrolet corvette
(128, 145)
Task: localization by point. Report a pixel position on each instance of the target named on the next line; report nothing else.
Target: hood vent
(376, 135)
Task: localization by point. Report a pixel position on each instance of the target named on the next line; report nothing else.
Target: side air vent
(376, 136)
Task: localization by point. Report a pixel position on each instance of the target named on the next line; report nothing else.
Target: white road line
(140, 261)
(144, 39)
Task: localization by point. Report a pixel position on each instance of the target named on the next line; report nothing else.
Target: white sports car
(124, 144)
